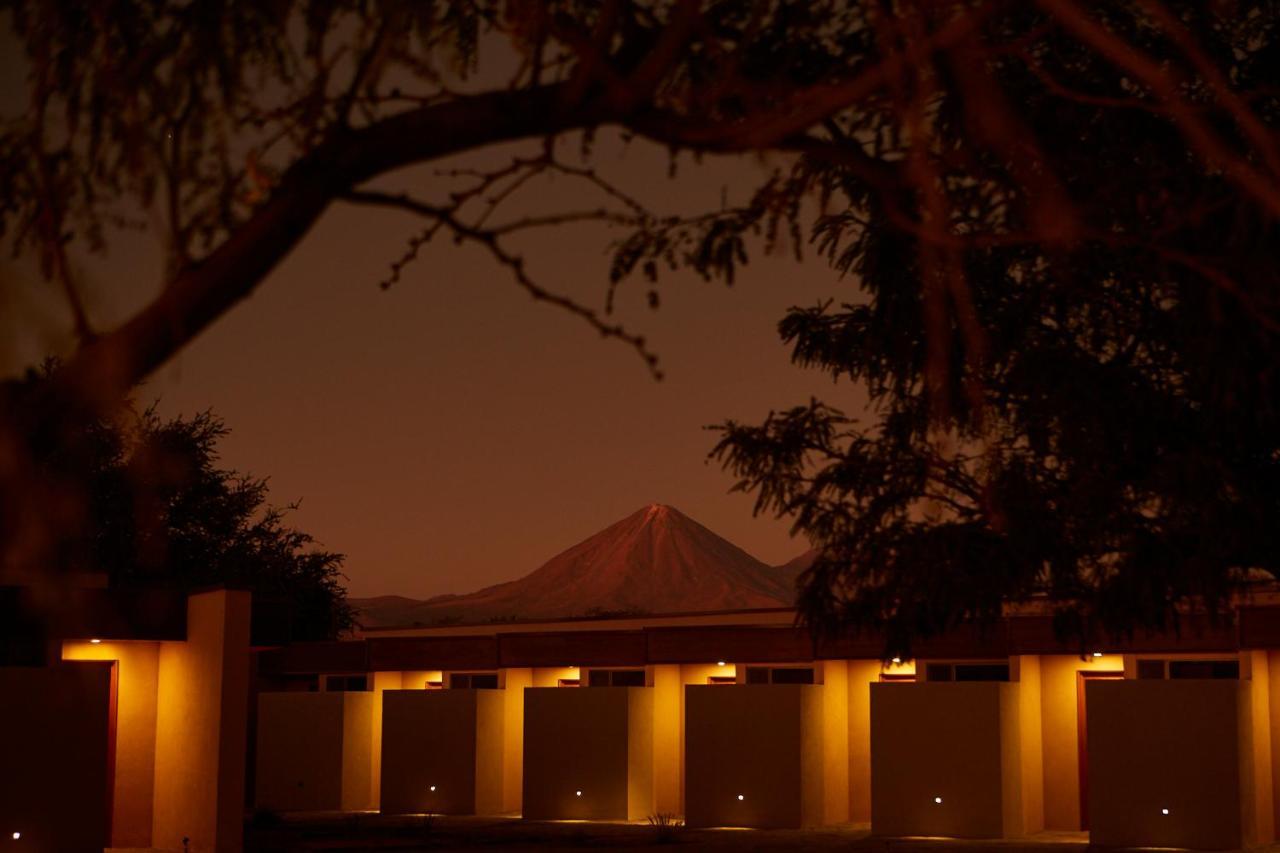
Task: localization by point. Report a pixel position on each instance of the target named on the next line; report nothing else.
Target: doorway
(1082, 733)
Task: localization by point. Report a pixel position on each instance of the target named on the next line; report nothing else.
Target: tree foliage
(144, 500)
(1093, 421)
(1062, 216)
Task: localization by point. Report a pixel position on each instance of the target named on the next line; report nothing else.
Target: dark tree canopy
(1061, 216)
(156, 510)
(1094, 421)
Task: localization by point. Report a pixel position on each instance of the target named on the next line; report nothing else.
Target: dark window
(982, 672)
(939, 672)
(721, 679)
(792, 675)
(1150, 669)
(300, 683)
(1204, 669)
(473, 680)
(346, 683)
(615, 678)
(779, 675)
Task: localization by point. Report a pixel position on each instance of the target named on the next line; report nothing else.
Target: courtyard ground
(373, 832)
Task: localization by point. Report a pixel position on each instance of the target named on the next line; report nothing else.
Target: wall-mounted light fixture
(1097, 654)
(719, 663)
(95, 641)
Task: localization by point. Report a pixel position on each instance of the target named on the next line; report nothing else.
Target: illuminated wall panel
(442, 751)
(315, 751)
(946, 759)
(754, 755)
(588, 753)
(1170, 764)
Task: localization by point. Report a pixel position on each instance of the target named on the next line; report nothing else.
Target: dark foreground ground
(374, 832)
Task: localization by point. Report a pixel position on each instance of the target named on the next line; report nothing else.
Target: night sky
(450, 433)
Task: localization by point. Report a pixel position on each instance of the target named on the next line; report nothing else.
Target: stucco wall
(135, 758)
(581, 739)
(668, 710)
(201, 721)
(862, 674)
(834, 676)
(762, 742)
(446, 740)
(315, 751)
(1059, 721)
(956, 742)
(514, 681)
(1174, 745)
(54, 726)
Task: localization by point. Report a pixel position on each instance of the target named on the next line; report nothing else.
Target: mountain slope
(656, 560)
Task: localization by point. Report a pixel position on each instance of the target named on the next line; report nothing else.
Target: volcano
(656, 560)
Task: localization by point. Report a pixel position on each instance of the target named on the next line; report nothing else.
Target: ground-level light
(1164, 811)
(739, 798)
(938, 800)
(433, 788)
(577, 793)
(17, 835)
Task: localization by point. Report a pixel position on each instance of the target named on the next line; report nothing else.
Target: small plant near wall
(666, 826)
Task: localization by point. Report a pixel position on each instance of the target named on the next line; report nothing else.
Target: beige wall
(1030, 747)
(589, 740)
(379, 683)
(1172, 745)
(834, 677)
(135, 760)
(668, 731)
(201, 721)
(315, 751)
(953, 741)
(861, 675)
(1060, 742)
(514, 682)
(442, 751)
(761, 742)
(53, 744)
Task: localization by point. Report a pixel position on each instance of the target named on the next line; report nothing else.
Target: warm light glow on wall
(95, 641)
(719, 663)
(898, 667)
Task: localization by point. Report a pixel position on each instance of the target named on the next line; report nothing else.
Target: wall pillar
(201, 727)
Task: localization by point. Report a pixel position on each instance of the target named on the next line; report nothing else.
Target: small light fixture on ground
(1164, 811)
(938, 800)
(577, 793)
(433, 789)
(17, 835)
(739, 798)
